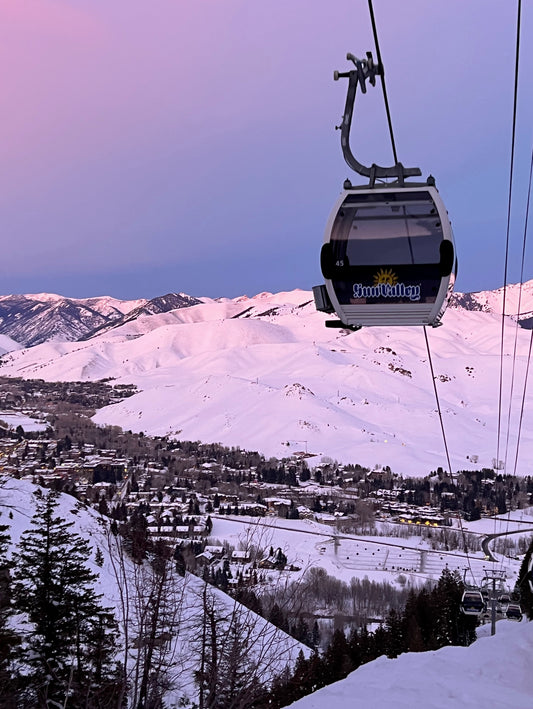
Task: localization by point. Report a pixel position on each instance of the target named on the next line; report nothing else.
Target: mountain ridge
(31, 319)
(264, 373)
(36, 318)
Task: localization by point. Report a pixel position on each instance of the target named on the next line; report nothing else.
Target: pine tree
(8, 638)
(69, 645)
(395, 643)
(525, 584)
(451, 626)
(337, 662)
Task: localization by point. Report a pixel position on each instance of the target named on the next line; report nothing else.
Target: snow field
(226, 371)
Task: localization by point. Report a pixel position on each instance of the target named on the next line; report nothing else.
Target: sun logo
(385, 275)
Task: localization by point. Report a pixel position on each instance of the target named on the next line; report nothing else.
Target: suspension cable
(380, 62)
(523, 403)
(515, 348)
(505, 275)
(517, 325)
(526, 222)
(438, 405)
(446, 449)
(508, 231)
(393, 143)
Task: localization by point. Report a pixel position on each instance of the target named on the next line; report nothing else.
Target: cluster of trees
(251, 511)
(63, 646)
(358, 602)
(277, 474)
(429, 620)
(62, 397)
(240, 654)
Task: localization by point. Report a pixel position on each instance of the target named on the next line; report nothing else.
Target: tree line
(429, 620)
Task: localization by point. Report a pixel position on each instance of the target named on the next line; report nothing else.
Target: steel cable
(383, 86)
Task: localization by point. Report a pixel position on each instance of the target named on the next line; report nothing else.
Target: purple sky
(189, 145)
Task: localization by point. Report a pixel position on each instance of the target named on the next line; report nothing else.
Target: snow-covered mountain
(161, 304)
(264, 373)
(518, 300)
(42, 317)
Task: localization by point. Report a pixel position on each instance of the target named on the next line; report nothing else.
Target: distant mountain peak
(32, 319)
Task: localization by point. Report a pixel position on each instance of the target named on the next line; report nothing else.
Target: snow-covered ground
(27, 422)
(7, 344)
(263, 373)
(383, 558)
(271, 648)
(493, 672)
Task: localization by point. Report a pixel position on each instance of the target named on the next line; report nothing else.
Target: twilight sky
(150, 146)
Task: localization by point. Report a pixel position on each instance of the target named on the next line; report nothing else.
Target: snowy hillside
(264, 373)
(8, 345)
(518, 301)
(493, 672)
(270, 649)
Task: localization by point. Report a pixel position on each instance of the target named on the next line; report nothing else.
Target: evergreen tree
(8, 639)
(68, 649)
(337, 662)
(395, 643)
(451, 626)
(524, 584)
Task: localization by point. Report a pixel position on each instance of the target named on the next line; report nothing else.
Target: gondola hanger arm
(365, 70)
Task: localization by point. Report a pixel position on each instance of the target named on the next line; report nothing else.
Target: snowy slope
(518, 300)
(274, 648)
(8, 345)
(264, 373)
(493, 672)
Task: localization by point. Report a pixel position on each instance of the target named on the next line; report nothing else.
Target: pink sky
(190, 145)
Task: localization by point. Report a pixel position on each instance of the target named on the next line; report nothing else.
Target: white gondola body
(513, 612)
(387, 245)
(472, 603)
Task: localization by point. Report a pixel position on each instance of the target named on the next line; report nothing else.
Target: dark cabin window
(396, 228)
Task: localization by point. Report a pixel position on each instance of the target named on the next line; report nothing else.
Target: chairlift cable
(517, 328)
(383, 86)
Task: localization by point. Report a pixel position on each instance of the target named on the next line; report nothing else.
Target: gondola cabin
(472, 603)
(388, 257)
(504, 599)
(513, 612)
